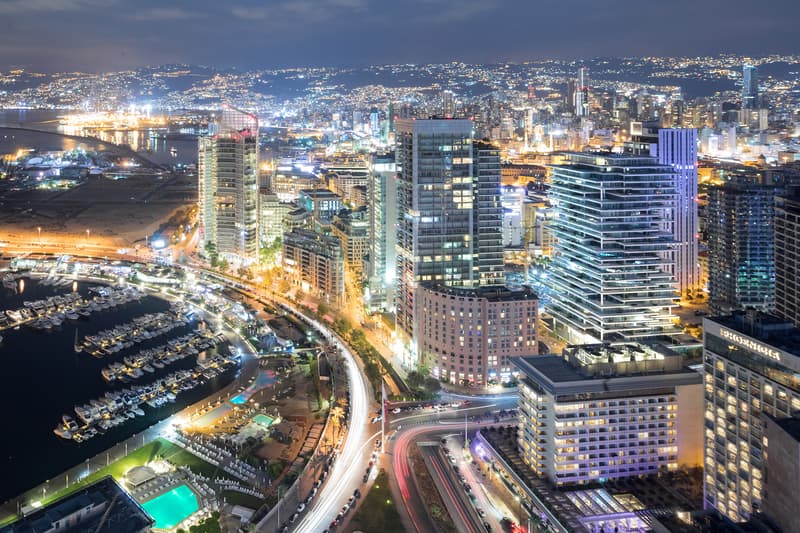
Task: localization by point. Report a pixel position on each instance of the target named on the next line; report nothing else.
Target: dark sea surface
(42, 378)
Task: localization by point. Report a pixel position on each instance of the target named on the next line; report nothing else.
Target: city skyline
(440, 284)
(120, 35)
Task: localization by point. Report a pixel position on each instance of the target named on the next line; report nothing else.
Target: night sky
(100, 35)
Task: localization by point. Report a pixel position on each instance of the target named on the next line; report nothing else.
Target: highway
(432, 426)
(348, 469)
(450, 488)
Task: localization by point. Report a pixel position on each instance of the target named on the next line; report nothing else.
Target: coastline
(71, 477)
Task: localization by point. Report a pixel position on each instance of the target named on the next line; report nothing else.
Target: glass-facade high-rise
(677, 147)
(381, 266)
(787, 258)
(449, 217)
(750, 96)
(610, 273)
(740, 233)
(228, 185)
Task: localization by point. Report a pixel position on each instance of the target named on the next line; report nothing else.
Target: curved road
(401, 480)
(347, 470)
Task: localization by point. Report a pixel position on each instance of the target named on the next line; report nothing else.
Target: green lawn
(378, 512)
(158, 449)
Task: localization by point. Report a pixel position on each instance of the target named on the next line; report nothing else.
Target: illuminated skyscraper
(609, 273)
(449, 217)
(750, 96)
(448, 104)
(787, 258)
(740, 232)
(381, 266)
(228, 185)
(677, 147)
(582, 93)
(751, 368)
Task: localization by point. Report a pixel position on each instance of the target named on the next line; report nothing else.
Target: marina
(141, 328)
(46, 313)
(134, 366)
(115, 408)
(51, 377)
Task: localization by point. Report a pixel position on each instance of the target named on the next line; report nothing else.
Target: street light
(39, 229)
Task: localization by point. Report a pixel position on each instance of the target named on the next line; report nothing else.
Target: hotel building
(605, 411)
(751, 369)
(468, 336)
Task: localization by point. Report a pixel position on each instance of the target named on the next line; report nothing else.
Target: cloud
(18, 7)
(317, 10)
(164, 13)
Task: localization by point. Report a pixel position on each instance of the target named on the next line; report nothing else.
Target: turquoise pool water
(172, 508)
(264, 379)
(263, 420)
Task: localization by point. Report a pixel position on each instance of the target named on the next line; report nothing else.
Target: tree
(432, 384)
(336, 414)
(415, 380)
(342, 326)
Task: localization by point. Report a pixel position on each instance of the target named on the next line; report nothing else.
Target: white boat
(63, 432)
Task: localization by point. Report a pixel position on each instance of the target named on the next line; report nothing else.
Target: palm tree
(337, 414)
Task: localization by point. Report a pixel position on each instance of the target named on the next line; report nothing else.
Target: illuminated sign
(750, 344)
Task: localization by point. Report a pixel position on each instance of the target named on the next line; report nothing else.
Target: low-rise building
(468, 336)
(321, 203)
(102, 507)
(605, 411)
(287, 183)
(271, 212)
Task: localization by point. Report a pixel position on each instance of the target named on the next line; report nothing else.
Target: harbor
(141, 328)
(115, 408)
(52, 311)
(134, 366)
(52, 378)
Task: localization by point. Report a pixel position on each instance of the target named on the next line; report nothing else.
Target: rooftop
(125, 515)
(777, 332)
(492, 293)
(319, 193)
(599, 368)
